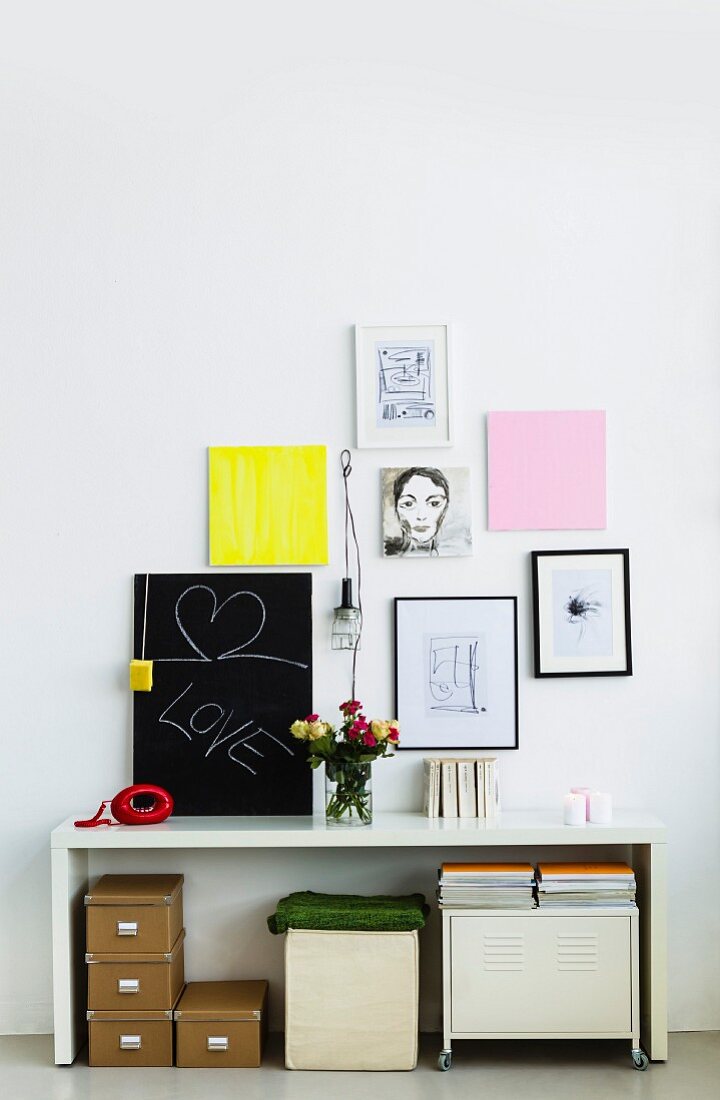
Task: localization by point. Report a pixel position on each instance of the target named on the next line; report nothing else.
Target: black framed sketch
(581, 612)
(456, 678)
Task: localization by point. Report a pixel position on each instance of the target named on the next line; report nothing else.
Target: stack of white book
(585, 885)
(486, 886)
(468, 787)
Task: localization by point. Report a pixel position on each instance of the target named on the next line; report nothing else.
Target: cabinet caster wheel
(640, 1059)
(444, 1060)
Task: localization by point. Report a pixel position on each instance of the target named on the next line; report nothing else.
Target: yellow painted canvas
(268, 506)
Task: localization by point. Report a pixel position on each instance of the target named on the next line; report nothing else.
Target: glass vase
(348, 793)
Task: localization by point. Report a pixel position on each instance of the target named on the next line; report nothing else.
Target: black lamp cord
(350, 527)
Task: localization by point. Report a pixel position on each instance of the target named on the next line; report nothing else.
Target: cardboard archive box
(221, 1024)
(134, 913)
(130, 1038)
(135, 981)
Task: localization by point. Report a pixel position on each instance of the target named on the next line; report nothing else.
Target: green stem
(350, 795)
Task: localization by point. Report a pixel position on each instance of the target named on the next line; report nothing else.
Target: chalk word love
(228, 735)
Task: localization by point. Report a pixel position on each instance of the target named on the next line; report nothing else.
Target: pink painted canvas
(546, 471)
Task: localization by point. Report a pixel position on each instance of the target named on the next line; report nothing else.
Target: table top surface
(388, 830)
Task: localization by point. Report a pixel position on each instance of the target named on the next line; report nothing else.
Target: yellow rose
(301, 730)
(379, 730)
(316, 730)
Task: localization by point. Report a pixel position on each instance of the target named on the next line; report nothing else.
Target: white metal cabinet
(540, 974)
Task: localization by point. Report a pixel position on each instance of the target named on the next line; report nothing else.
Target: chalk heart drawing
(246, 607)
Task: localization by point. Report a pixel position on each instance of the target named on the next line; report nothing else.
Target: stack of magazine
(486, 886)
(590, 885)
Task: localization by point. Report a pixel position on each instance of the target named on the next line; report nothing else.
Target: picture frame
(427, 511)
(402, 375)
(456, 672)
(581, 612)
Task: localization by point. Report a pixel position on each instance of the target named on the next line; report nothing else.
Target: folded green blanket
(349, 913)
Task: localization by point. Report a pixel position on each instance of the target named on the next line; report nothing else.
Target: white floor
(503, 1071)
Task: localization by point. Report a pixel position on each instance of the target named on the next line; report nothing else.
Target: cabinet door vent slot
(577, 952)
(503, 952)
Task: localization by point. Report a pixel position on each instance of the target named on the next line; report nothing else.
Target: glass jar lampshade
(346, 621)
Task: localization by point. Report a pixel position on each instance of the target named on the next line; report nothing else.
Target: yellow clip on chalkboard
(141, 670)
(141, 675)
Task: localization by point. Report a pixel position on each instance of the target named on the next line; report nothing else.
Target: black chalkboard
(232, 668)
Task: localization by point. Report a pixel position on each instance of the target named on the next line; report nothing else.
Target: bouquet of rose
(357, 740)
(348, 753)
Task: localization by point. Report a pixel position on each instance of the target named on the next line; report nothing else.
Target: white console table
(641, 833)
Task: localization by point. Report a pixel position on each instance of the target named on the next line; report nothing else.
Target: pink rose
(369, 740)
(394, 734)
(312, 717)
(353, 734)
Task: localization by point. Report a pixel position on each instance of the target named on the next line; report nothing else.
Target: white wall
(195, 196)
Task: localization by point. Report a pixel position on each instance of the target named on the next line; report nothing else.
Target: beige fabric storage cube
(351, 1000)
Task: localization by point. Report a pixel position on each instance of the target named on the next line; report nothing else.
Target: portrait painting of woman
(426, 512)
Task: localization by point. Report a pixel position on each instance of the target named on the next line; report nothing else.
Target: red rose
(369, 740)
(312, 717)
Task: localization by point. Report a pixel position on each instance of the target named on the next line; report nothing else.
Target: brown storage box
(221, 1024)
(130, 1038)
(135, 982)
(134, 913)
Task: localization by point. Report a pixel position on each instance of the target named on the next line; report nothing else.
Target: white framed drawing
(581, 612)
(456, 678)
(403, 385)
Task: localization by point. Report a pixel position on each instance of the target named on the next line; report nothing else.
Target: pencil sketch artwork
(426, 512)
(405, 383)
(582, 612)
(456, 674)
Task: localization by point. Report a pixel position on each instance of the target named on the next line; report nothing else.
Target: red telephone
(125, 813)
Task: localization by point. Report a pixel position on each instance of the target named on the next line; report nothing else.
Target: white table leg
(69, 886)
(446, 982)
(650, 865)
